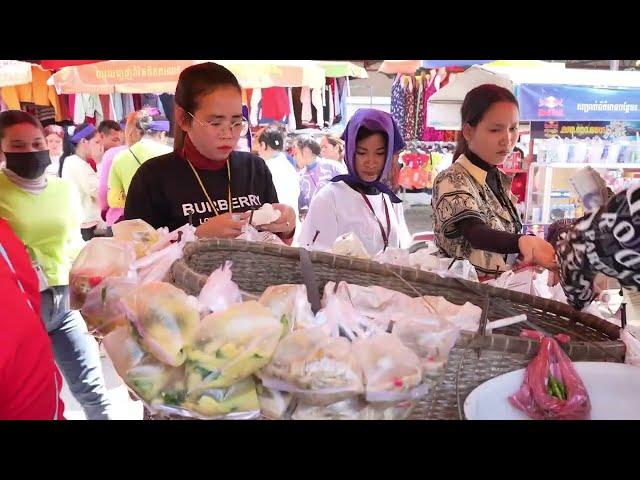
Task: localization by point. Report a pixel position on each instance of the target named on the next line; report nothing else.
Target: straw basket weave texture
(475, 358)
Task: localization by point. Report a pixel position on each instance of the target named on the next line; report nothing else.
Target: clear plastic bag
(240, 398)
(102, 309)
(349, 409)
(220, 292)
(392, 372)
(231, 345)
(551, 388)
(631, 338)
(273, 403)
(350, 245)
(290, 304)
(318, 368)
(140, 233)
(250, 234)
(458, 269)
(431, 338)
(166, 319)
(100, 258)
(145, 375)
(265, 215)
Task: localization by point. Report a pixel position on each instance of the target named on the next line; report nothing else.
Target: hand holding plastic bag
(551, 388)
(100, 258)
(165, 318)
(220, 292)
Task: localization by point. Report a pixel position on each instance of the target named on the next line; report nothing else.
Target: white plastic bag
(220, 292)
(458, 269)
(290, 304)
(318, 368)
(250, 234)
(165, 318)
(264, 215)
(140, 233)
(350, 245)
(100, 258)
(103, 309)
(631, 338)
(273, 404)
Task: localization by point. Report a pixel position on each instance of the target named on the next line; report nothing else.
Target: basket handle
(309, 279)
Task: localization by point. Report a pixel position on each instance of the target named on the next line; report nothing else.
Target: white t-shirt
(79, 173)
(285, 179)
(52, 169)
(337, 209)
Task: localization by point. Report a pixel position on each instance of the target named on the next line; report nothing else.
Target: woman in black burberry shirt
(204, 181)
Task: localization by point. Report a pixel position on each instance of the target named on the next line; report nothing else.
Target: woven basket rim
(410, 274)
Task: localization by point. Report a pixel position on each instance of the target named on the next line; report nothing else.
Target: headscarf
(377, 121)
(54, 130)
(84, 133)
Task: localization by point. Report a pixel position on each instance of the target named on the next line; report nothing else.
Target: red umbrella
(58, 64)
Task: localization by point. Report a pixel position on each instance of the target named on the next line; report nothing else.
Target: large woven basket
(475, 358)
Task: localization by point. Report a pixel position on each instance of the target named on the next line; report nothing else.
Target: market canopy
(410, 66)
(545, 91)
(161, 76)
(336, 69)
(14, 72)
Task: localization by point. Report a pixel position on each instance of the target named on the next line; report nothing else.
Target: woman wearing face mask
(203, 181)
(360, 202)
(81, 170)
(45, 213)
(151, 142)
(474, 209)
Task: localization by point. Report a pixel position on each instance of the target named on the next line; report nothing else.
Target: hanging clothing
(275, 103)
(420, 107)
(167, 100)
(127, 104)
(254, 106)
(410, 107)
(317, 102)
(291, 118)
(430, 134)
(398, 105)
(296, 94)
(36, 92)
(116, 101)
(105, 102)
(87, 105)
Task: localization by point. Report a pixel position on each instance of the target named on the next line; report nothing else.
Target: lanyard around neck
(387, 234)
(204, 190)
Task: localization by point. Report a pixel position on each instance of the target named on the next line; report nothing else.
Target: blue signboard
(571, 103)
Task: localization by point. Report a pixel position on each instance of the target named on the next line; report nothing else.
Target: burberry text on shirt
(221, 205)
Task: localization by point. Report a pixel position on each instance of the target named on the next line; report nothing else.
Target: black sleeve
(483, 237)
(140, 199)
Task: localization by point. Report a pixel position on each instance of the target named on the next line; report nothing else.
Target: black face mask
(28, 165)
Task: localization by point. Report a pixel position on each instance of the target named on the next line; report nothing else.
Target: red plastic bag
(551, 388)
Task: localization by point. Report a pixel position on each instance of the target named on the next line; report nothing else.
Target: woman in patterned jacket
(474, 209)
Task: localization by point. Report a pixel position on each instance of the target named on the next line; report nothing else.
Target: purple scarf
(375, 120)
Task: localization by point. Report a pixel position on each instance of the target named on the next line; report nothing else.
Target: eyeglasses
(240, 127)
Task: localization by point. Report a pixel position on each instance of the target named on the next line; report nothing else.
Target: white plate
(614, 391)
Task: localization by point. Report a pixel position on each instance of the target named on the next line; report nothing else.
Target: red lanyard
(385, 235)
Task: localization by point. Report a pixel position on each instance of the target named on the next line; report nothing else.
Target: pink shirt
(113, 214)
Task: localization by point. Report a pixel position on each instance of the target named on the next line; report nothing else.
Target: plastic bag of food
(392, 372)
(220, 292)
(102, 309)
(165, 318)
(350, 245)
(318, 368)
(100, 258)
(251, 234)
(429, 337)
(231, 345)
(240, 398)
(349, 409)
(140, 233)
(264, 215)
(184, 234)
(551, 388)
(457, 269)
(394, 256)
(291, 305)
(145, 375)
(424, 260)
(155, 265)
(273, 404)
(631, 338)
(465, 317)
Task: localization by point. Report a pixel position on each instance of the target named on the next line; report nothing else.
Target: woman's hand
(537, 251)
(223, 226)
(286, 223)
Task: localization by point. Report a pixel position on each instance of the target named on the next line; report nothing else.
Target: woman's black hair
(272, 137)
(475, 105)
(196, 81)
(10, 118)
(364, 133)
(307, 141)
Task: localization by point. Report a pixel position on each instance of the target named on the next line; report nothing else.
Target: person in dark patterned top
(607, 242)
(474, 209)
